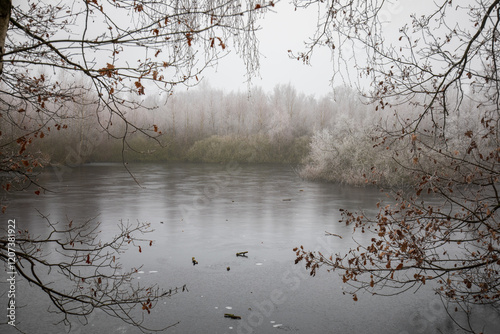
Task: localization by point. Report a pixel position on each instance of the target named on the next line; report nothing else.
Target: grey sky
(287, 29)
(281, 31)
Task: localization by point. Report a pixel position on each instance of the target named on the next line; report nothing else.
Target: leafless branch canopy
(80, 273)
(106, 55)
(427, 70)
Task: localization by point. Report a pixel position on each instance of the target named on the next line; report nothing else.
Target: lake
(210, 212)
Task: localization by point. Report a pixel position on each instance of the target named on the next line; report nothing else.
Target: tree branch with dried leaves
(107, 55)
(64, 61)
(80, 273)
(443, 227)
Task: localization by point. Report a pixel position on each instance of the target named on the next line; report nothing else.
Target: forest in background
(331, 138)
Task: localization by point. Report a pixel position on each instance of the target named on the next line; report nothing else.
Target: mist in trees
(335, 137)
(202, 124)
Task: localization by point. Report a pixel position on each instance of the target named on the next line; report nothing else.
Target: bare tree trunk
(5, 8)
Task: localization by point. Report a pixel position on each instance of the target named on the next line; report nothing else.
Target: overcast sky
(281, 31)
(287, 29)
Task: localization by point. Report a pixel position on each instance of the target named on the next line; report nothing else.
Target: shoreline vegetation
(335, 138)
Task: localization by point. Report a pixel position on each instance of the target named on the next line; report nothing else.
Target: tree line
(335, 137)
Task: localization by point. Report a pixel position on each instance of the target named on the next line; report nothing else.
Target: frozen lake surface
(210, 212)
